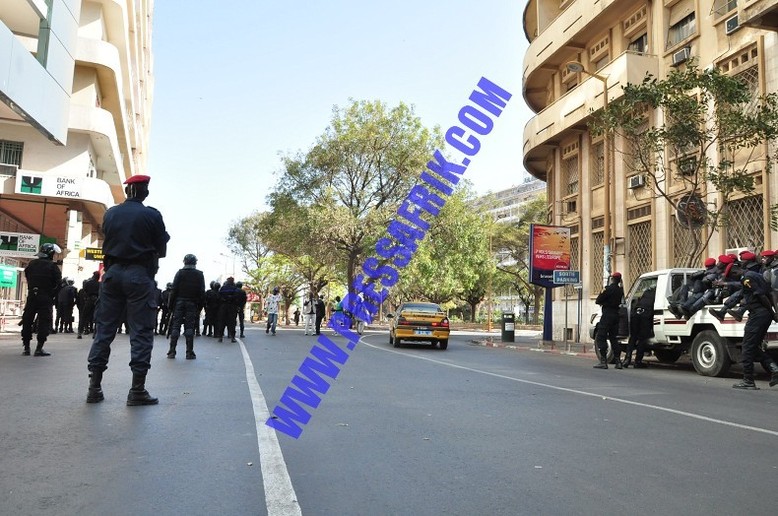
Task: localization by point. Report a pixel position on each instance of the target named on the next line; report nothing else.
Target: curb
(554, 349)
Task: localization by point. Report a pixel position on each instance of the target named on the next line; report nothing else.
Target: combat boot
(602, 365)
(627, 361)
(39, 351)
(718, 314)
(138, 394)
(737, 314)
(26, 345)
(95, 392)
(774, 374)
(747, 383)
(190, 354)
(172, 351)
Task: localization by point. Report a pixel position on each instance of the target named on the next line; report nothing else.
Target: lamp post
(575, 66)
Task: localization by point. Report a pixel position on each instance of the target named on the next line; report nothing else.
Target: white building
(75, 104)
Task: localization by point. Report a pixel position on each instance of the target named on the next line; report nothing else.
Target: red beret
(137, 179)
(747, 256)
(710, 262)
(616, 275)
(767, 252)
(726, 258)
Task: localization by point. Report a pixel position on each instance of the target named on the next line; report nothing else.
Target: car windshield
(420, 307)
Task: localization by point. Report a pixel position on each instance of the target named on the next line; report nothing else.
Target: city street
(468, 431)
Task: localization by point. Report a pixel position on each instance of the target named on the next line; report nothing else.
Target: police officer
(187, 298)
(164, 319)
(641, 328)
(43, 277)
(608, 327)
(242, 299)
(135, 239)
(211, 321)
(90, 290)
(228, 309)
(66, 300)
(761, 314)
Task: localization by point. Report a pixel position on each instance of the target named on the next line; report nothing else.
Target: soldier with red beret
(135, 239)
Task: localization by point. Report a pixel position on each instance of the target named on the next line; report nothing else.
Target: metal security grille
(597, 165)
(570, 167)
(745, 223)
(640, 252)
(750, 76)
(574, 264)
(596, 262)
(11, 152)
(683, 243)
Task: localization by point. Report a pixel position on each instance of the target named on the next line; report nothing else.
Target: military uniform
(87, 302)
(187, 298)
(135, 238)
(43, 277)
(229, 299)
(608, 327)
(760, 316)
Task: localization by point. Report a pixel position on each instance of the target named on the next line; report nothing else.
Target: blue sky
(237, 83)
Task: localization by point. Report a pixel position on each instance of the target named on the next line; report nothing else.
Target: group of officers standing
(741, 284)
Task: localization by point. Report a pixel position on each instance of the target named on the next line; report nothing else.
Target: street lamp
(576, 67)
(233, 262)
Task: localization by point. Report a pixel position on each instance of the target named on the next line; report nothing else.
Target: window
(640, 249)
(722, 7)
(597, 164)
(570, 167)
(11, 152)
(745, 222)
(681, 30)
(601, 62)
(639, 45)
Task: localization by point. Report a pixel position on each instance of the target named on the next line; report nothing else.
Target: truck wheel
(667, 356)
(709, 354)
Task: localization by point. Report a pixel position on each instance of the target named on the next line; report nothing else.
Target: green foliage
(712, 138)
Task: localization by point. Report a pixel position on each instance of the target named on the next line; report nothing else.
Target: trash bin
(508, 333)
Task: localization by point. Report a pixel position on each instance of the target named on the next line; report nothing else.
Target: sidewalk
(582, 349)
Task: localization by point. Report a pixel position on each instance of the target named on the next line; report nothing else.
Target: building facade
(613, 43)
(76, 80)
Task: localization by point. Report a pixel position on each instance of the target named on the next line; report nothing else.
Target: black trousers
(319, 319)
(42, 306)
(759, 320)
(608, 330)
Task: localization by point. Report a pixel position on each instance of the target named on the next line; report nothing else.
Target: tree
(357, 173)
(714, 134)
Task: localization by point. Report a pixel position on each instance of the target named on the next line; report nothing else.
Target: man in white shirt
(271, 307)
(309, 311)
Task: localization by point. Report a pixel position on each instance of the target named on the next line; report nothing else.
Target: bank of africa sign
(49, 185)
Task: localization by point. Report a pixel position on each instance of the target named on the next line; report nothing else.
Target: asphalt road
(471, 430)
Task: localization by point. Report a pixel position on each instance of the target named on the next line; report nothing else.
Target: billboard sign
(19, 245)
(549, 249)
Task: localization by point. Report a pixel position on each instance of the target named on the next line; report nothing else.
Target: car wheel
(709, 354)
(443, 344)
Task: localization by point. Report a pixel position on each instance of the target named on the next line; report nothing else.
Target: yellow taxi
(419, 322)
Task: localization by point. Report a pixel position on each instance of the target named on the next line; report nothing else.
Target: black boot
(603, 363)
(26, 345)
(138, 394)
(172, 351)
(39, 351)
(95, 392)
(774, 374)
(737, 313)
(627, 361)
(718, 314)
(190, 354)
(747, 383)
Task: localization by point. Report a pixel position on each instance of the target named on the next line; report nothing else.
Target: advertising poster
(7, 276)
(549, 249)
(19, 245)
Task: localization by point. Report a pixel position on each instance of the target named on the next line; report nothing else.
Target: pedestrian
(43, 276)
(309, 311)
(228, 309)
(761, 314)
(608, 327)
(271, 307)
(66, 300)
(296, 315)
(641, 328)
(242, 298)
(187, 297)
(320, 311)
(135, 240)
(90, 292)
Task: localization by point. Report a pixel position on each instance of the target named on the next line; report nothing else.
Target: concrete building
(619, 42)
(75, 104)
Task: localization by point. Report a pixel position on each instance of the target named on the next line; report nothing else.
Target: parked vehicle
(712, 344)
(417, 321)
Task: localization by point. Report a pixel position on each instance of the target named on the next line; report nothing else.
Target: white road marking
(583, 393)
(280, 497)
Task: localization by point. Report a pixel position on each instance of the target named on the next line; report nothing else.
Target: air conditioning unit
(6, 169)
(731, 25)
(637, 181)
(681, 56)
(736, 250)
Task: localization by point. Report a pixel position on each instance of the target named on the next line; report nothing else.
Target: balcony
(760, 14)
(543, 133)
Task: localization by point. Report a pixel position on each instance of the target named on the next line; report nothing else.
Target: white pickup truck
(713, 345)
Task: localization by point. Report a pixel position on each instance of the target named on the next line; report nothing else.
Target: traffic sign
(566, 277)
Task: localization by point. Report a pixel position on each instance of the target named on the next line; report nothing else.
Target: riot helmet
(48, 250)
(190, 259)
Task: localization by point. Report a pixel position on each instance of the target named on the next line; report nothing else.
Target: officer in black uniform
(187, 298)
(43, 277)
(641, 328)
(761, 314)
(135, 239)
(608, 327)
(90, 291)
(212, 307)
(242, 299)
(164, 319)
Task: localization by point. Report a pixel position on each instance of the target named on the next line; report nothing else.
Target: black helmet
(239, 284)
(48, 249)
(190, 259)
(217, 285)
